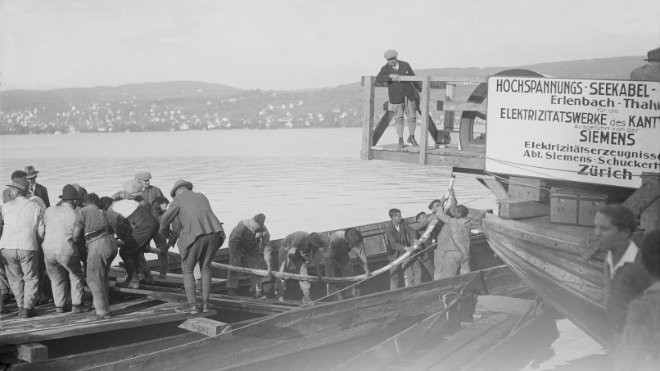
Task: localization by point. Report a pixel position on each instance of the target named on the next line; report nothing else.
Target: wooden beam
(449, 114)
(424, 109)
(368, 114)
(205, 326)
(518, 209)
(456, 106)
(503, 304)
(494, 186)
(32, 352)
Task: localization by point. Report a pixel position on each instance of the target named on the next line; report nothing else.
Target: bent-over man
(298, 251)
(336, 257)
(247, 243)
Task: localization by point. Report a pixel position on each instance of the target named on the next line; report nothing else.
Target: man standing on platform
(403, 95)
(399, 239)
(249, 246)
(60, 254)
(336, 255)
(36, 189)
(199, 239)
(20, 221)
(625, 276)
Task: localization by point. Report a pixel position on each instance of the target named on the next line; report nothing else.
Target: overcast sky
(296, 44)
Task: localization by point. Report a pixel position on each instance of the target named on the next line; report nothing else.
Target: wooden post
(368, 124)
(424, 110)
(449, 115)
(650, 217)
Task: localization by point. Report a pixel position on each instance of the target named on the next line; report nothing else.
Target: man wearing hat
(19, 225)
(35, 188)
(336, 256)
(7, 195)
(247, 241)
(60, 253)
(153, 197)
(651, 71)
(199, 239)
(143, 227)
(403, 95)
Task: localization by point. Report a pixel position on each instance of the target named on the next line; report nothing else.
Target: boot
(412, 141)
(401, 145)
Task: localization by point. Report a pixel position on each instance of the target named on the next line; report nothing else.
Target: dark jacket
(41, 192)
(629, 281)
(244, 241)
(398, 90)
(396, 241)
(194, 212)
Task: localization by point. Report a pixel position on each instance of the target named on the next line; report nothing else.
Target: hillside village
(180, 106)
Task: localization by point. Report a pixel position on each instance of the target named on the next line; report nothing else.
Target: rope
(260, 321)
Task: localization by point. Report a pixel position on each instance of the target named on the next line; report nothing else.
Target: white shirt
(628, 257)
(21, 218)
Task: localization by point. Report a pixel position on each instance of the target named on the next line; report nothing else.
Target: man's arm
(390, 238)
(383, 76)
(169, 215)
(359, 251)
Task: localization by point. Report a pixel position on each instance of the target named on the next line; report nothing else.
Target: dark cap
(260, 218)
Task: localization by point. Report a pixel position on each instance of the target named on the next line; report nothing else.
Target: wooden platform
(435, 156)
(49, 325)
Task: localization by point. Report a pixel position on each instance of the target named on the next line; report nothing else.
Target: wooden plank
(460, 106)
(32, 352)
(424, 108)
(383, 123)
(368, 115)
(82, 325)
(503, 304)
(494, 186)
(517, 209)
(467, 334)
(205, 326)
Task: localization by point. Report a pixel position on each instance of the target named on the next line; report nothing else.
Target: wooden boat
(245, 343)
(153, 305)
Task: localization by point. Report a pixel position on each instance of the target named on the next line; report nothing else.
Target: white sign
(593, 131)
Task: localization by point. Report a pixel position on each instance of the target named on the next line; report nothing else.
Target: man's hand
(269, 273)
(367, 274)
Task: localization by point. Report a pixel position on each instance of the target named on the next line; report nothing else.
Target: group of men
(74, 241)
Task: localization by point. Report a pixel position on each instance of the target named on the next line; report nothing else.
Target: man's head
(18, 187)
(180, 186)
(395, 215)
(260, 219)
(435, 206)
(132, 188)
(105, 202)
(421, 217)
(651, 253)
(353, 237)
(70, 194)
(460, 212)
(391, 56)
(18, 174)
(613, 226)
(91, 199)
(31, 174)
(143, 178)
(653, 55)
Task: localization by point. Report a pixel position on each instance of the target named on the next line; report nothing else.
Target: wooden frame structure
(467, 154)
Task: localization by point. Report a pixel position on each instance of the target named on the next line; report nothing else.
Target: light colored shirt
(20, 218)
(627, 257)
(58, 225)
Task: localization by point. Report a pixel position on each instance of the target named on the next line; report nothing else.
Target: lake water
(311, 180)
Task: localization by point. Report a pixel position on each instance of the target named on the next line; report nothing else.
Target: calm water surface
(309, 180)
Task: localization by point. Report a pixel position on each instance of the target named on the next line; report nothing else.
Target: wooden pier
(452, 95)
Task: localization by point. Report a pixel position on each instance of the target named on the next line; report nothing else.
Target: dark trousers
(201, 251)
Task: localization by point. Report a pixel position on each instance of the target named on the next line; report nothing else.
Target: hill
(197, 105)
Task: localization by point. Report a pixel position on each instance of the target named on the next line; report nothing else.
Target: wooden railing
(472, 108)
